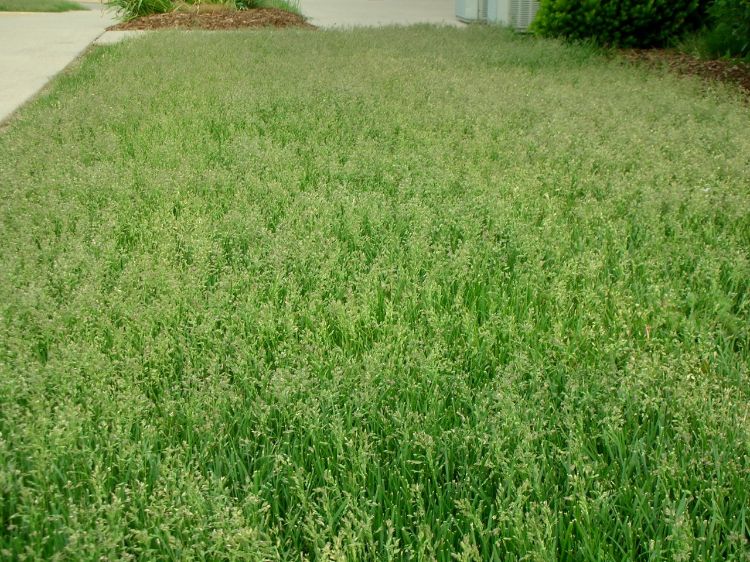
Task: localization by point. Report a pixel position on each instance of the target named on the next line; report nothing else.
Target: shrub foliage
(730, 33)
(627, 23)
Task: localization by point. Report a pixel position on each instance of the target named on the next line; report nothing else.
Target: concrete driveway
(36, 46)
(349, 13)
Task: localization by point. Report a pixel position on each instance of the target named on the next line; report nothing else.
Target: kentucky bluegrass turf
(376, 295)
(39, 6)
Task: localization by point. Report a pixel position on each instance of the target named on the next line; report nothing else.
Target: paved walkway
(348, 13)
(36, 46)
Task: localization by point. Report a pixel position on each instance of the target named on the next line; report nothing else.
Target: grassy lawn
(38, 6)
(374, 295)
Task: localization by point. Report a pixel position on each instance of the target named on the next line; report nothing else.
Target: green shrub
(626, 23)
(730, 33)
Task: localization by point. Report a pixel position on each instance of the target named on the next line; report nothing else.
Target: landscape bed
(374, 295)
(723, 70)
(216, 20)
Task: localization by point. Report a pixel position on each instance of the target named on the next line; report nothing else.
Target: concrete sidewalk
(36, 46)
(350, 13)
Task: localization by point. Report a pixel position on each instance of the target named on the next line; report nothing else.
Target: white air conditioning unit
(517, 14)
(470, 11)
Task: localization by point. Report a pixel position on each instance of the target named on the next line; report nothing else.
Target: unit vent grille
(522, 13)
(482, 16)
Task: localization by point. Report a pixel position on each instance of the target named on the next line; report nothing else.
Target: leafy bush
(627, 23)
(730, 34)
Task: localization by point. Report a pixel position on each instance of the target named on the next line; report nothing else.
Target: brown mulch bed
(723, 70)
(262, 17)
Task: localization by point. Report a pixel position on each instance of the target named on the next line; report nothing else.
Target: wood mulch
(734, 72)
(216, 20)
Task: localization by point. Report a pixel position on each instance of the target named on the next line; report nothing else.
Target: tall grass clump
(400, 294)
(130, 9)
(292, 6)
(287, 5)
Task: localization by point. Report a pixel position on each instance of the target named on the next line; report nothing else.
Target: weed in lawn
(372, 295)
